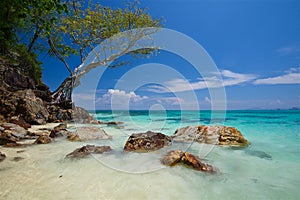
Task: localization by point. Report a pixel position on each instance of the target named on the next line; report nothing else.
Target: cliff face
(23, 95)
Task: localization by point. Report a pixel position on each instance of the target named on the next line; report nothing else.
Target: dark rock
(194, 162)
(14, 144)
(172, 158)
(43, 139)
(145, 142)
(73, 137)
(7, 137)
(62, 126)
(19, 121)
(2, 156)
(220, 135)
(114, 123)
(32, 108)
(87, 150)
(80, 115)
(60, 133)
(179, 157)
(17, 159)
(259, 154)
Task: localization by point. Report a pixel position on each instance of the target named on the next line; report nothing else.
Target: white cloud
(229, 78)
(207, 99)
(120, 97)
(288, 50)
(292, 76)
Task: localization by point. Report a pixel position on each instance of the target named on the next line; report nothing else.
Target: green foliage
(28, 61)
(35, 16)
(88, 26)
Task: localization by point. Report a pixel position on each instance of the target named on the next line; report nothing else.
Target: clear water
(268, 169)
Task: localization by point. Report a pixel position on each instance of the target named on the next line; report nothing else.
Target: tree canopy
(65, 28)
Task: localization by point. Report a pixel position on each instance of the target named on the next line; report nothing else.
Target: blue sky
(254, 44)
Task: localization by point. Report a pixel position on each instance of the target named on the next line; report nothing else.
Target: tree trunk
(62, 96)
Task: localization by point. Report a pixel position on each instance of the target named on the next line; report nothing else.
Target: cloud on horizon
(229, 78)
(291, 76)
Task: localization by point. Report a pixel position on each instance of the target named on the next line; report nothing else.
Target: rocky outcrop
(13, 130)
(219, 135)
(179, 157)
(87, 150)
(25, 104)
(43, 139)
(145, 142)
(19, 121)
(22, 95)
(2, 156)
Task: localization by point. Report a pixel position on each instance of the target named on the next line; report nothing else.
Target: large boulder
(177, 156)
(87, 150)
(145, 142)
(91, 133)
(32, 108)
(13, 129)
(219, 135)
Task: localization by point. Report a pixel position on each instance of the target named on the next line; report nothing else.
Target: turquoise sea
(269, 168)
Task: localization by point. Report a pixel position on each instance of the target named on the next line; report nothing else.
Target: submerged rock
(87, 150)
(259, 154)
(43, 139)
(145, 142)
(91, 133)
(179, 157)
(220, 135)
(2, 156)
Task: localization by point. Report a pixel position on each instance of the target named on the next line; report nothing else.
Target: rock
(145, 142)
(32, 108)
(6, 137)
(179, 157)
(59, 131)
(194, 162)
(17, 159)
(114, 123)
(15, 144)
(220, 135)
(2, 156)
(80, 115)
(14, 129)
(61, 126)
(19, 121)
(172, 158)
(73, 137)
(259, 154)
(87, 150)
(43, 139)
(91, 133)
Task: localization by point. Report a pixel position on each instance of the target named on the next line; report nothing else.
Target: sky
(255, 46)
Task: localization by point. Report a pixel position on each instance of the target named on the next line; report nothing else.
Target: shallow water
(268, 169)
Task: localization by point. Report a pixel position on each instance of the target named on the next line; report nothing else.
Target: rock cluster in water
(179, 157)
(145, 142)
(219, 135)
(87, 150)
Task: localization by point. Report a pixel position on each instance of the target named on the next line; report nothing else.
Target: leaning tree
(84, 27)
